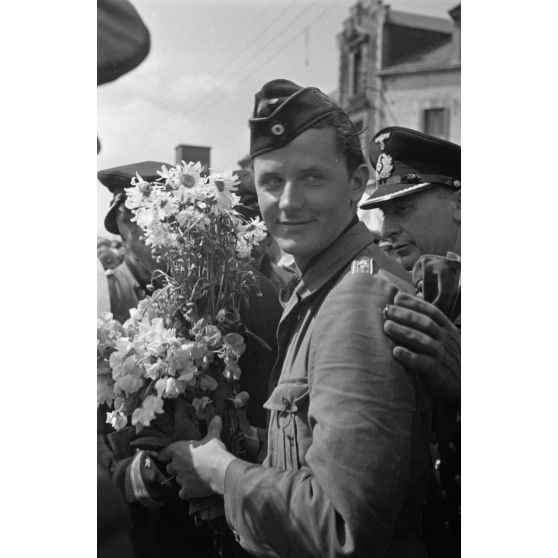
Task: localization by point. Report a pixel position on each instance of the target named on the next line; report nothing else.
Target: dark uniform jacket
(442, 513)
(125, 291)
(347, 464)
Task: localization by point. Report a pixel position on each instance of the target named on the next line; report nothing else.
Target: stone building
(398, 68)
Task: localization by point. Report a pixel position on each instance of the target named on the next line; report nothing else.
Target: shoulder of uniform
(364, 264)
(371, 261)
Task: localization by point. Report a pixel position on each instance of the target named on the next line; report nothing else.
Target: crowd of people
(353, 436)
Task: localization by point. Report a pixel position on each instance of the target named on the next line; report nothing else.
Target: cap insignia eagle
(384, 166)
(381, 138)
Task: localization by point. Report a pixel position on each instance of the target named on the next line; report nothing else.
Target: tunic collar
(335, 258)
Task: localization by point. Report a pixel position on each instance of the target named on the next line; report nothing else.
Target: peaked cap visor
(408, 161)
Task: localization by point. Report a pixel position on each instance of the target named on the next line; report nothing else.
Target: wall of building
(407, 96)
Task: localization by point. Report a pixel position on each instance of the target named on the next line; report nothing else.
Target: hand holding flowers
(185, 340)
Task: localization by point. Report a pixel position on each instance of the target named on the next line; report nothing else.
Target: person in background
(419, 194)
(347, 453)
(128, 282)
(103, 295)
(110, 252)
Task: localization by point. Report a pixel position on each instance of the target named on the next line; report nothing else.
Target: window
(436, 122)
(357, 72)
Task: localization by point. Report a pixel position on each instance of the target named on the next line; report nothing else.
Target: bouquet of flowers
(185, 339)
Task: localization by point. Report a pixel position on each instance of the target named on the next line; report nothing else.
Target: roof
(441, 58)
(418, 21)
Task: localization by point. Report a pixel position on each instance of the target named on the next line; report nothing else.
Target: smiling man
(347, 451)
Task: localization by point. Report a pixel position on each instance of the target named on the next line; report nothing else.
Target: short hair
(347, 138)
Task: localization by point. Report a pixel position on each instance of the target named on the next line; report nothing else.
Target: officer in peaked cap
(419, 193)
(117, 179)
(347, 450)
(127, 282)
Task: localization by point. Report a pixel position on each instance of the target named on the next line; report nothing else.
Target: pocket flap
(288, 396)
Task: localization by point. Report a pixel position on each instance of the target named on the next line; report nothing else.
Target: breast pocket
(289, 405)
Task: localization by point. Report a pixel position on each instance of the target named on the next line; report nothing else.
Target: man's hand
(427, 342)
(199, 466)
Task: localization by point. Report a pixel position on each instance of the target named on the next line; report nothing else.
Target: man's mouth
(398, 247)
(293, 223)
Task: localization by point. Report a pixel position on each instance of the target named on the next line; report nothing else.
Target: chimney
(193, 153)
(455, 14)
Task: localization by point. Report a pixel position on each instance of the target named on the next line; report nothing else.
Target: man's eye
(403, 209)
(270, 182)
(312, 178)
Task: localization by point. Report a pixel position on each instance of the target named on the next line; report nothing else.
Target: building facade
(401, 69)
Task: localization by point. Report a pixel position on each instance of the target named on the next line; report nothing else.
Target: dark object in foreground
(439, 280)
(122, 39)
(113, 522)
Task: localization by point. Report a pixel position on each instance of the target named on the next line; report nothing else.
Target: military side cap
(119, 178)
(407, 161)
(282, 111)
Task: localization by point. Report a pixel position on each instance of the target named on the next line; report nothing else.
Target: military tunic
(347, 465)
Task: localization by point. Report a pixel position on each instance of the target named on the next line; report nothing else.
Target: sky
(207, 60)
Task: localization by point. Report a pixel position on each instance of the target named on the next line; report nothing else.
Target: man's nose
(291, 196)
(390, 227)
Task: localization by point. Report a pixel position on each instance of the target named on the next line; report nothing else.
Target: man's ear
(358, 182)
(456, 210)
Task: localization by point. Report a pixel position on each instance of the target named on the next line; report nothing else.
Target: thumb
(241, 400)
(214, 428)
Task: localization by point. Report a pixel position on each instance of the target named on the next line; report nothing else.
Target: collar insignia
(384, 166)
(363, 265)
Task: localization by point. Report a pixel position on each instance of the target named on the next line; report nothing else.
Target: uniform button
(457, 478)
(277, 129)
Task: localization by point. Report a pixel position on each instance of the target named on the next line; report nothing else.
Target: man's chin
(288, 245)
